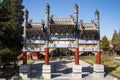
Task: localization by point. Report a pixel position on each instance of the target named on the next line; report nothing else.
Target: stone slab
(98, 70)
(98, 75)
(24, 71)
(46, 71)
(23, 75)
(77, 71)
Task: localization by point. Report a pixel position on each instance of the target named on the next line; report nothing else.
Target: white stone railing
(34, 49)
(88, 41)
(88, 49)
(62, 37)
(31, 41)
(61, 45)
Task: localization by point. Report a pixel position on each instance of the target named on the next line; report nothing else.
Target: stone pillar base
(24, 71)
(23, 76)
(46, 71)
(77, 71)
(98, 71)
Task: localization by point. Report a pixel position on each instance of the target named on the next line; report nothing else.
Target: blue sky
(109, 12)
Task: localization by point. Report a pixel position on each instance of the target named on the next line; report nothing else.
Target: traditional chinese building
(71, 33)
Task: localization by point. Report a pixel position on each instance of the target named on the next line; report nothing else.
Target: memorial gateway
(71, 33)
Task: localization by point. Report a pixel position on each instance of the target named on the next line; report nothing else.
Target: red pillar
(46, 56)
(76, 56)
(98, 61)
(24, 58)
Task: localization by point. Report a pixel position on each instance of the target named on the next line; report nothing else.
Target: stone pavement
(62, 70)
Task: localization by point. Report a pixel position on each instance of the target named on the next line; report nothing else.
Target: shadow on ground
(86, 71)
(8, 72)
(36, 70)
(58, 68)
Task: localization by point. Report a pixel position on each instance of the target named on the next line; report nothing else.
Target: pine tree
(11, 22)
(17, 13)
(115, 42)
(17, 19)
(105, 44)
(11, 19)
(119, 43)
(4, 20)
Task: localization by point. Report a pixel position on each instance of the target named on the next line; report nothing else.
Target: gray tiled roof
(89, 26)
(63, 21)
(36, 25)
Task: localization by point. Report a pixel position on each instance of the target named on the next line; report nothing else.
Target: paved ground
(63, 71)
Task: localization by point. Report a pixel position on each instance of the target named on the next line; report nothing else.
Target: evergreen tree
(4, 20)
(17, 19)
(119, 42)
(11, 19)
(105, 44)
(116, 42)
(17, 13)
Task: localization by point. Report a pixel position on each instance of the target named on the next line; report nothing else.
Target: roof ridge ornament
(76, 8)
(47, 8)
(97, 14)
(26, 13)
